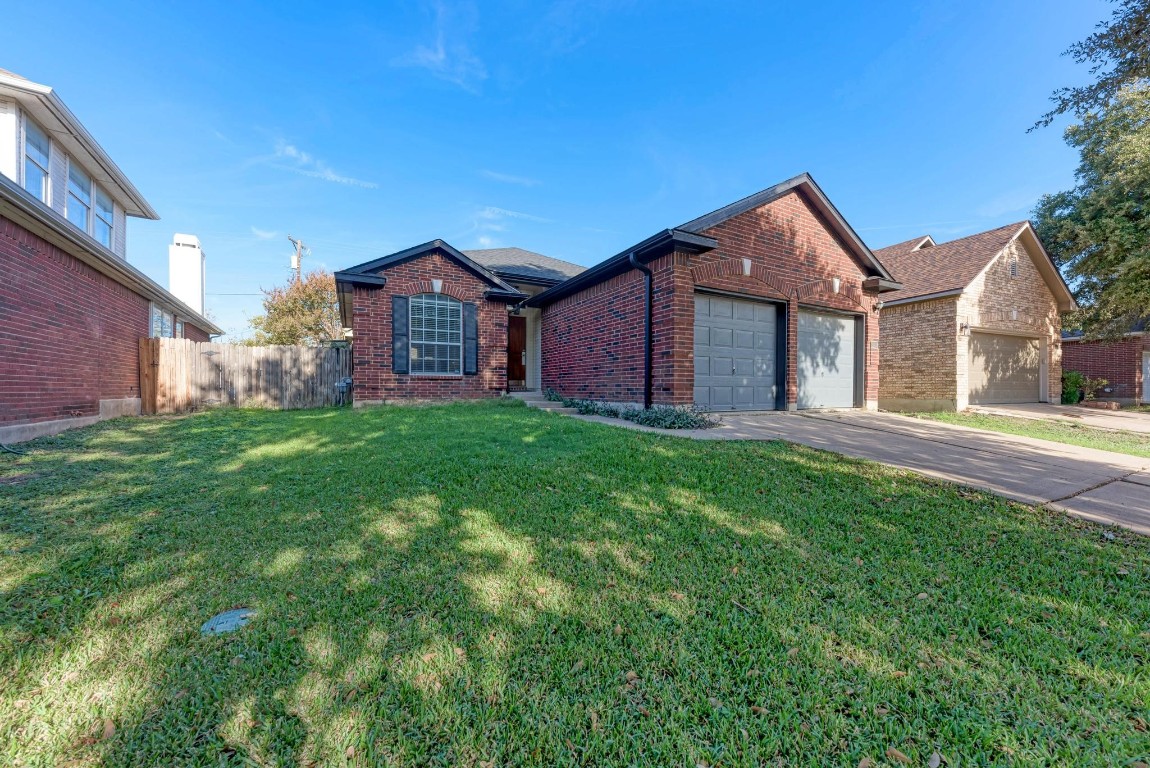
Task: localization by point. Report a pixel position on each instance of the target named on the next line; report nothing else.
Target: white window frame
(46, 194)
(440, 299)
(92, 211)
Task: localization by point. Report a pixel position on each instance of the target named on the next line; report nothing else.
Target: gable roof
(524, 265)
(53, 115)
(805, 185)
(690, 236)
(946, 269)
(367, 273)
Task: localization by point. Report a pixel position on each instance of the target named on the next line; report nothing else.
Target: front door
(516, 352)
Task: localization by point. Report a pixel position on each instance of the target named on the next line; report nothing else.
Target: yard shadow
(478, 584)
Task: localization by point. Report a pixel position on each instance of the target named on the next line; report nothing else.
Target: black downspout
(649, 280)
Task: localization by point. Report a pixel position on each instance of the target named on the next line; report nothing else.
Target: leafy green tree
(304, 311)
(1118, 55)
(1099, 232)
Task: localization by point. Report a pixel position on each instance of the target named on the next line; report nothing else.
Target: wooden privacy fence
(179, 375)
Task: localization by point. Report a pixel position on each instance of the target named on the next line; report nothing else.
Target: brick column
(792, 352)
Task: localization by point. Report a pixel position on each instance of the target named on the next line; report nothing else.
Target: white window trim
(411, 344)
(92, 214)
(152, 308)
(24, 120)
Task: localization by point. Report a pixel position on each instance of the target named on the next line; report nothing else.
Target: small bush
(661, 416)
(1072, 385)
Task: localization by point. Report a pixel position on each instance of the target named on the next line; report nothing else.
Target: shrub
(1072, 384)
(661, 416)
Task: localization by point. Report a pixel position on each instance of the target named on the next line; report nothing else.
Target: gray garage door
(734, 354)
(1003, 369)
(826, 360)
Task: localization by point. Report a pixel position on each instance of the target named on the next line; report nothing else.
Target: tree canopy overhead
(1118, 54)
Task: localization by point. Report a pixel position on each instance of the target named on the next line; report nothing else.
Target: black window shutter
(470, 339)
(400, 346)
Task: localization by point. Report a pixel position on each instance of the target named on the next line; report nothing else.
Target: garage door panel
(735, 345)
(1004, 369)
(827, 360)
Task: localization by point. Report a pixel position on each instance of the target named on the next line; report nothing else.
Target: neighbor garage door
(735, 350)
(826, 370)
(1003, 369)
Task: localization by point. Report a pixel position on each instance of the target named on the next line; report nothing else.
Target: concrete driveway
(1130, 421)
(1096, 485)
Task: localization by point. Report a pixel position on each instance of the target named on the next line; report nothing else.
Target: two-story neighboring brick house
(72, 309)
(767, 303)
(978, 321)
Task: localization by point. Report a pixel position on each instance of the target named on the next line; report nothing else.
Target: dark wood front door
(516, 351)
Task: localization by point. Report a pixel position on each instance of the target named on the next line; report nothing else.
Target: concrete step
(528, 396)
(547, 405)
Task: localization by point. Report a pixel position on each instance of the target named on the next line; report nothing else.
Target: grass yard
(1131, 443)
(490, 585)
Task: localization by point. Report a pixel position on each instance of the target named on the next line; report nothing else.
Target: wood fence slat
(181, 375)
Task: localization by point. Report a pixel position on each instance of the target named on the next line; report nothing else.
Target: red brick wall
(371, 339)
(593, 340)
(1119, 362)
(195, 333)
(68, 334)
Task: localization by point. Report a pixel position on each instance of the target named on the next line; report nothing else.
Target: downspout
(648, 278)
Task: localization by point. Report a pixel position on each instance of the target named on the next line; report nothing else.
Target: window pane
(77, 212)
(167, 329)
(157, 321)
(436, 330)
(35, 180)
(103, 206)
(79, 184)
(102, 231)
(36, 144)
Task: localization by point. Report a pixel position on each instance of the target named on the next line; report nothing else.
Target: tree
(1099, 232)
(1119, 56)
(302, 312)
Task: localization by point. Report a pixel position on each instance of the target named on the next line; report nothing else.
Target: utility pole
(297, 257)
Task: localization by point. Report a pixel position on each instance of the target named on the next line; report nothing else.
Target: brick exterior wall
(371, 337)
(593, 340)
(68, 334)
(1119, 362)
(919, 356)
(989, 303)
(195, 333)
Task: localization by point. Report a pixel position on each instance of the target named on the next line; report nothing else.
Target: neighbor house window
(436, 334)
(79, 207)
(163, 323)
(102, 224)
(36, 148)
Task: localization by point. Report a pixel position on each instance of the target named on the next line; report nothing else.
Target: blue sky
(570, 128)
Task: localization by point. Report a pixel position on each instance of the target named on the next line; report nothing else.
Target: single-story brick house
(72, 309)
(1124, 363)
(767, 303)
(977, 321)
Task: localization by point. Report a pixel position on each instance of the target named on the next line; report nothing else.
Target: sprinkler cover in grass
(228, 621)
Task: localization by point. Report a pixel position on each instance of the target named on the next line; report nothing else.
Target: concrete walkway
(1105, 487)
(1131, 421)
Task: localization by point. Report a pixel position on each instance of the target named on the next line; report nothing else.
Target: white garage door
(826, 360)
(1003, 369)
(735, 354)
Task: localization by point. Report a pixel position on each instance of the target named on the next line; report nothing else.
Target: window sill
(433, 376)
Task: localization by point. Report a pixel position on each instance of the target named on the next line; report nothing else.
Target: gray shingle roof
(510, 262)
(946, 266)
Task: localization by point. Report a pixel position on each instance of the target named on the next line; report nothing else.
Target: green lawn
(1132, 443)
(490, 585)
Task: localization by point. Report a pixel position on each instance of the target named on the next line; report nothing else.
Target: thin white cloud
(292, 158)
(264, 234)
(508, 178)
(449, 57)
(492, 213)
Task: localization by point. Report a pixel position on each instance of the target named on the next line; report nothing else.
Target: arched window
(436, 334)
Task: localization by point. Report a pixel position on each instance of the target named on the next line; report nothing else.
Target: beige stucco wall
(918, 356)
(1022, 305)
